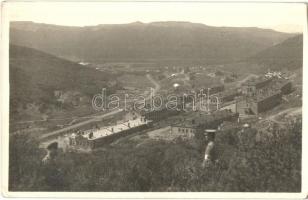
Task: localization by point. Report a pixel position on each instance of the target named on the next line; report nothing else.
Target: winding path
(289, 111)
(239, 83)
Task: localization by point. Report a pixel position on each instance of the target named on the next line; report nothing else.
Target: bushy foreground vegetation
(246, 163)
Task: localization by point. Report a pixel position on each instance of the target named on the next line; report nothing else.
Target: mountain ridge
(161, 41)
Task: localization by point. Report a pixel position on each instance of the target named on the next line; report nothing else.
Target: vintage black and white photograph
(155, 97)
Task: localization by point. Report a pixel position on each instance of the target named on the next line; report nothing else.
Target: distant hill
(285, 55)
(157, 41)
(34, 76)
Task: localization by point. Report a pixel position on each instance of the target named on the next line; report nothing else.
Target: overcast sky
(281, 17)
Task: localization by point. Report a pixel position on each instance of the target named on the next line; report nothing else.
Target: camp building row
(100, 136)
(260, 95)
(255, 96)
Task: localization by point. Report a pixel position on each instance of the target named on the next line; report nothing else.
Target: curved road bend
(249, 76)
(289, 111)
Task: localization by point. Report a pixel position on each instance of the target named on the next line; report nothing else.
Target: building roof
(225, 104)
(256, 81)
(194, 119)
(211, 130)
(53, 145)
(109, 130)
(186, 124)
(282, 82)
(272, 91)
(226, 93)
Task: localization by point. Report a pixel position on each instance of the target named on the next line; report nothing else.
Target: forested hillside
(135, 42)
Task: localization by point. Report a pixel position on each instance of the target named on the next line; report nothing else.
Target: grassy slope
(285, 55)
(34, 76)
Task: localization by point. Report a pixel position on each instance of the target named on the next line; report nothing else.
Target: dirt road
(289, 111)
(240, 82)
